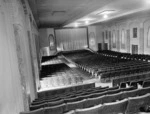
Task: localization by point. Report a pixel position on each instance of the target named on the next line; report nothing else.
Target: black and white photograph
(74, 56)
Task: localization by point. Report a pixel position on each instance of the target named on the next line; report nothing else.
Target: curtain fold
(71, 39)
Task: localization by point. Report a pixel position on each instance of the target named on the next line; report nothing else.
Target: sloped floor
(75, 76)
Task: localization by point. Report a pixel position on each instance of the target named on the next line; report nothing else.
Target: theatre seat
(98, 94)
(146, 83)
(71, 99)
(55, 109)
(35, 107)
(70, 112)
(113, 91)
(94, 101)
(123, 85)
(128, 89)
(118, 107)
(127, 94)
(85, 96)
(38, 102)
(91, 110)
(135, 103)
(112, 98)
(134, 84)
(144, 91)
(39, 111)
(75, 105)
(54, 103)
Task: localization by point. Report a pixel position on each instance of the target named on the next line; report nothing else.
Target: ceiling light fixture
(105, 16)
(86, 22)
(76, 25)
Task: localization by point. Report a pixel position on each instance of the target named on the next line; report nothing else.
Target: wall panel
(92, 36)
(146, 36)
(45, 42)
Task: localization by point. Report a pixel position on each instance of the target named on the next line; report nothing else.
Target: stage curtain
(71, 39)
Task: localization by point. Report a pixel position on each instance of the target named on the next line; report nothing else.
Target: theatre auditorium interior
(74, 56)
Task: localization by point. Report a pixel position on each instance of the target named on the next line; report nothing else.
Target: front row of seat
(110, 93)
(131, 105)
(128, 105)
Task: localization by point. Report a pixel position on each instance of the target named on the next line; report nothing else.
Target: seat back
(143, 91)
(71, 99)
(112, 88)
(39, 111)
(134, 84)
(146, 84)
(113, 91)
(54, 103)
(91, 110)
(112, 98)
(132, 93)
(85, 96)
(128, 89)
(37, 102)
(140, 82)
(94, 101)
(135, 103)
(115, 107)
(35, 107)
(52, 99)
(123, 85)
(98, 94)
(55, 109)
(75, 105)
(70, 112)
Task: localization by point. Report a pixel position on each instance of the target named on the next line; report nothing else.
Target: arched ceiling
(59, 13)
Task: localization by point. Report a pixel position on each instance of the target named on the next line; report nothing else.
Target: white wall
(141, 21)
(17, 72)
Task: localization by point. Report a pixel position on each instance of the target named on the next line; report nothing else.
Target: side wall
(120, 34)
(18, 60)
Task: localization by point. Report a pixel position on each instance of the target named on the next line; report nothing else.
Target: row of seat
(104, 66)
(129, 56)
(87, 106)
(86, 95)
(122, 73)
(126, 106)
(60, 75)
(60, 91)
(61, 81)
(107, 70)
(136, 77)
(71, 94)
(78, 95)
(138, 83)
(88, 100)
